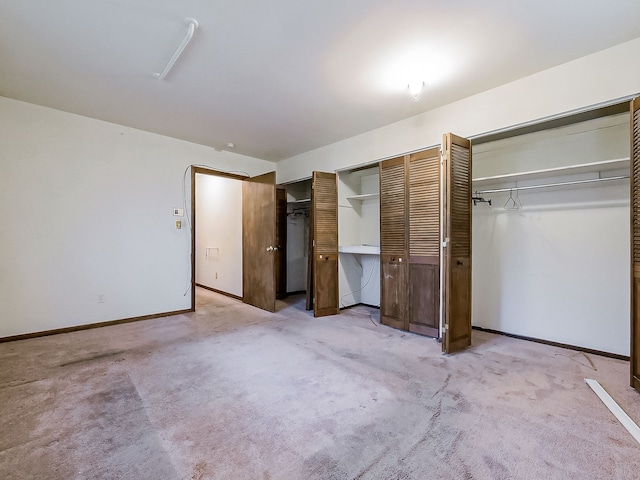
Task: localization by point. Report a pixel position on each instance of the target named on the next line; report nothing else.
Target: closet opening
(359, 236)
(298, 207)
(552, 249)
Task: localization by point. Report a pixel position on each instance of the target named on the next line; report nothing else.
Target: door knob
(269, 248)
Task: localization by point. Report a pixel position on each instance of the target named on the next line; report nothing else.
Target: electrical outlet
(178, 224)
(101, 298)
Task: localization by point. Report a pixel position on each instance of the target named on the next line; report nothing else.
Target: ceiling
(283, 77)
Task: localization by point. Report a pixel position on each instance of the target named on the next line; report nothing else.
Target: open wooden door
(324, 215)
(456, 223)
(394, 272)
(259, 241)
(424, 242)
(635, 243)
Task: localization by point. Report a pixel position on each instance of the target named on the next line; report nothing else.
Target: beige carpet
(232, 392)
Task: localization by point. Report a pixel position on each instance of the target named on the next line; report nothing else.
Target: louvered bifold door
(424, 242)
(393, 243)
(635, 243)
(456, 218)
(325, 243)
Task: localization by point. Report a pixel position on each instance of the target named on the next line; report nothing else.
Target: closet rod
(548, 185)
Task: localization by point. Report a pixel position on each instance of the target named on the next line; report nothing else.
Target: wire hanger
(513, 203)
(476, 198)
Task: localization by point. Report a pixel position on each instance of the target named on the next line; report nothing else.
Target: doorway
(236, 239)
(216, 232)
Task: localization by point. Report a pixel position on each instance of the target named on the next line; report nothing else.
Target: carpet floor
(233, 392)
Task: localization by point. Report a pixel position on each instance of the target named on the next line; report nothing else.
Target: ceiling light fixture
(193, 24)
(415, 88)
(231, 145)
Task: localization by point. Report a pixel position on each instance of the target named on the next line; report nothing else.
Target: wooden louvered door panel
(324, 205)
(456, 218)
(259, 241)
(393, 243)
(424, 242)
(635, 243)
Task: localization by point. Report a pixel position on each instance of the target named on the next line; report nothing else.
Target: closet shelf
(365, 196)
(592, 167)
(304, 200)
(359, 249)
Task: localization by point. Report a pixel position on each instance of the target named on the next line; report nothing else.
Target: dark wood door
(456, 218)
(281, 242)
(259, 241)
(635, 243)
(424, 242)
(394, 272)
(324, 215)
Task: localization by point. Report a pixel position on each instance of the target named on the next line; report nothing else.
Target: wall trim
(554, 344)
(88, 326)
(215, 290)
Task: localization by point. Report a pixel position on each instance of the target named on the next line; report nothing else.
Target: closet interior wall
(554, 263)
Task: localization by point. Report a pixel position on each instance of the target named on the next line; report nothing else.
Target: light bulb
(415, 89)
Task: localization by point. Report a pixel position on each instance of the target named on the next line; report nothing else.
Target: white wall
(86, 209)
(558, 268)
(596, 78)
(219, 233)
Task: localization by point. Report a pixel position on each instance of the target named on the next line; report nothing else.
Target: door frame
(205, 171)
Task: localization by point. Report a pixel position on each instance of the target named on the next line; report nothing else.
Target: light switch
(178, 212)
